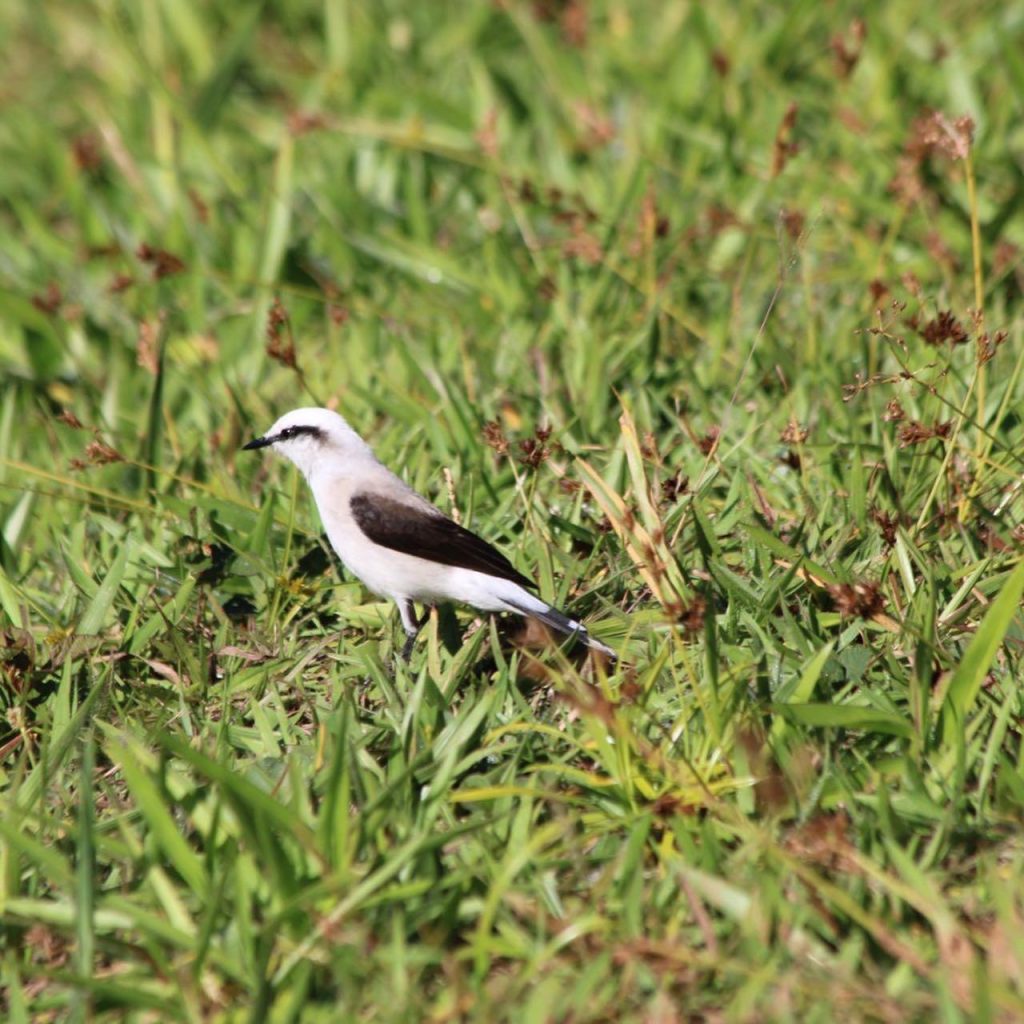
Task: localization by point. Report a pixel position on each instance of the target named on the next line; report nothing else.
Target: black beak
(259, 442)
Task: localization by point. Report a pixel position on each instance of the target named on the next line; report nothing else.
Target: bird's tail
(559, 621)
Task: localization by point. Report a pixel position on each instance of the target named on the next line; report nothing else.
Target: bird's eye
(289, 432)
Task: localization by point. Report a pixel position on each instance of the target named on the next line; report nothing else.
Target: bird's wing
(429, 534)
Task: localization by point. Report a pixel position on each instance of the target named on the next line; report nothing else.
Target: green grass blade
(85, 871)
(844, 716)
(981, 652)
(153, 806)
(100, 607)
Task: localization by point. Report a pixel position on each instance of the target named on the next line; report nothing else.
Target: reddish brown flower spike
(693, 615)
(912, 283)
(794, 433)
(583, 246)
(282, 352)
(944, 328)
(886, 524)
(893, 411)
(670, 805)
(674, 486)
(88, 152)
(100, 454)
(487, 134)
(784, 147)
(987, 345)
(1004, 257)
(147, 351)
(495, 438)
(302, 122)
(709, 442)
(49, 301)
(68, 418)
(280, 347)
(861, 600)
(199, 205)
(533, 452)
(913, 432)
(277, 317)
(934, 134)
(846, 50)
(164, 263)
(878, 289)
(575, 23)
(793, 223)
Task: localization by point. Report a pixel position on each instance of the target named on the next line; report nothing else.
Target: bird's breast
(384, 571)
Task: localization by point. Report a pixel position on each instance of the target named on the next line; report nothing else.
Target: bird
(395, 541)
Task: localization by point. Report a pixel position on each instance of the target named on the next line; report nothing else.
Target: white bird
(393, 539)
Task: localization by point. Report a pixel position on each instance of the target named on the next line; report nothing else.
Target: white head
(313, 438)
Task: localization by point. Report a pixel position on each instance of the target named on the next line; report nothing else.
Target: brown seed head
(913, 432)
(709, 442)
(935, 134)
(793, 222)
(674, 486)
(533, 451)
(494, 437)
(893, 411)
(784, 147)
(846, 49)
(164, 263)
(693, 614)
(944, 328)
(99, 453)
(87, 151)
(68, 418)
(280, 346)
(987, 345)
(302, 122)
(794, 433)
(863, 600)
(147, 353)
(887, 525)
(50, 300)
(120, 283)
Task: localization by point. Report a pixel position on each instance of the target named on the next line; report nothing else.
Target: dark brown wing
(429, 535)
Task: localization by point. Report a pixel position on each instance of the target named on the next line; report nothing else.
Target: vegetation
(709, 316)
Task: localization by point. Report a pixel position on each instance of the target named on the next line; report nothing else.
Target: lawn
(709, 316)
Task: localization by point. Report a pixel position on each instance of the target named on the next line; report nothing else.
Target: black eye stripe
(289, 432)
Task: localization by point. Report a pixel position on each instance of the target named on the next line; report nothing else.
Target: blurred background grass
(709, 315)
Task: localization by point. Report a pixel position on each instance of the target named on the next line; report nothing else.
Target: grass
(710, 318)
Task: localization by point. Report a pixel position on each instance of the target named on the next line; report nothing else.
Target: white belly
(397, 575)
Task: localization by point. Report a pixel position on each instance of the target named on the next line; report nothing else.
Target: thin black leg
(411, 625)
(407, 647)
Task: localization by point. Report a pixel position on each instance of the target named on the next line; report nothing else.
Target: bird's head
(312, 438)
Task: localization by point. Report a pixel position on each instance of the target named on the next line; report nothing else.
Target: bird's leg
(407, 647)
(411, 625)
